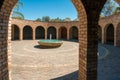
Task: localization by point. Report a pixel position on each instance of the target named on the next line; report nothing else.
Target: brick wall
(5, 11)
(103, 25)
(88, 12)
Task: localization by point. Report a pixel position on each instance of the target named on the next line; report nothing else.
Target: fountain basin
(50, 43)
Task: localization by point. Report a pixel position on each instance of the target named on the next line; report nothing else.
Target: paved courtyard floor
(29, 62)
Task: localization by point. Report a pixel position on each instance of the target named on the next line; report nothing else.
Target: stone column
(21, 34)
(12, 33)
(57, 33)
(115, 36)
(45, 33)
(88, 49)
(103, 36)
(117, 42)
(88, 13)
(68, 37)
(34, 35)
(5, 38)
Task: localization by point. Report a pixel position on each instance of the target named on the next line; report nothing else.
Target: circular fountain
(50, 43)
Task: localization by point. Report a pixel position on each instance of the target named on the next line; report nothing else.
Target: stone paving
(29, 62)
(109, 67)
(32, 63)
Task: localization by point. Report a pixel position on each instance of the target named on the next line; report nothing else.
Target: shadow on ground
(74, 40)
(44, 47)
(71, 76)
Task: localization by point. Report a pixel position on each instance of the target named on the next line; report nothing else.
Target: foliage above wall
(16, 11)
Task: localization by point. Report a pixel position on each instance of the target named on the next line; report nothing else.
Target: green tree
(117, 10)
(46, 18)
(56, 20)
(38, 19)
(19, 5)
(109, 8)
(67, 19)
(16, 12)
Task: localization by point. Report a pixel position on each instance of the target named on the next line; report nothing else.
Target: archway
(110, 34)
(73, 33)
(51, 30)
(89, 19)
(27, 33)
(99, 33)
(63, 33)
(15, 32)
(40, 32)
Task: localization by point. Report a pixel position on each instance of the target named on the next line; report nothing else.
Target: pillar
(45, 33)
(21, 34)
(34, 35)
(103, 36)
(117, 42)
(115, 37)
(88, 49)
(88, 13)
(5, 38)
(68, 37)
(12, 32)
(57, 33)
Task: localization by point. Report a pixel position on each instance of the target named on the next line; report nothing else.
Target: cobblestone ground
(109, 66)
(29, 62)
(32, 63)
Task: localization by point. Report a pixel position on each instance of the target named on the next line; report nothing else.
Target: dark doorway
(27, 33)
(74, 33)
(40, 32)
(63, 33)
(15, 32)
(110, 34)
(51, 30)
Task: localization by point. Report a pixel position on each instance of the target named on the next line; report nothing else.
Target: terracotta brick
(88, 12)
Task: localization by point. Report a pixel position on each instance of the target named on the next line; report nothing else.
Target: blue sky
(34, 9)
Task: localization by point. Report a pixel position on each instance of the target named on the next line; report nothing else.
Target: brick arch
(109, 33)
(88, 13)
(73, 32)
(53, 31)
(27, 32)
(15, 32)
(16, 25)
(40, 32)
(88, 22)
(6, 7)
(62, 32)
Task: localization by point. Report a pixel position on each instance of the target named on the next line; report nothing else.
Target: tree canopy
(117, 10)
(16, 12)
(48, 19)
(109, 8)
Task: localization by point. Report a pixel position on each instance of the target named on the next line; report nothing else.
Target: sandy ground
(29, 62)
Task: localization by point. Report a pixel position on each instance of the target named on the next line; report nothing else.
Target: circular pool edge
(49, 44)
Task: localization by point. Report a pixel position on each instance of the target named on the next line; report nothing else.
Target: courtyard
(89, 21)
(29, 62)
